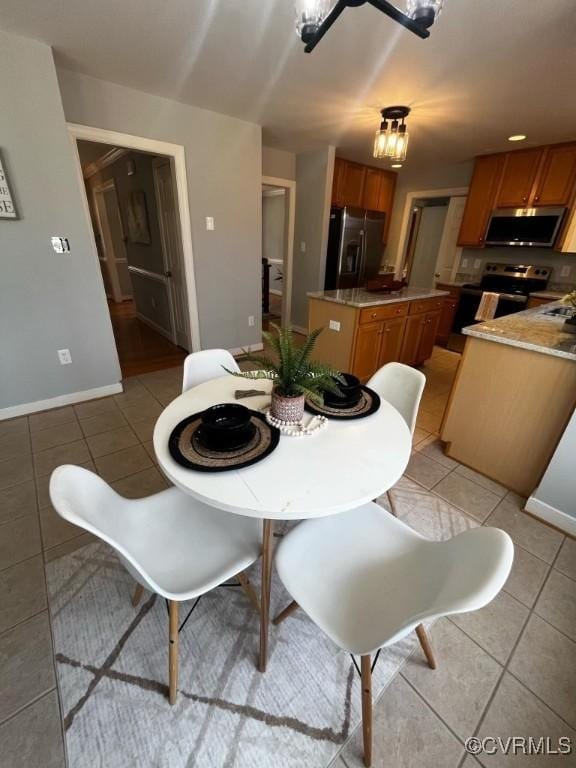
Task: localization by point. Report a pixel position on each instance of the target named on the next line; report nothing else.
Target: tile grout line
(511, 655)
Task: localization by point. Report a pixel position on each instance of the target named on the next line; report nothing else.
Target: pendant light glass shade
(392, 140)
(309, 15)
(401, 144)
(380, 141)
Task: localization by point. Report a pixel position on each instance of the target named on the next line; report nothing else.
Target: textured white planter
(289, 409)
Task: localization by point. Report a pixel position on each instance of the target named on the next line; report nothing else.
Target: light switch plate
(477, 263)
(60, 244)
(565, 271)
(334, 325)
(464, 263)
(210, 223)
(64, 356)
(302, 246)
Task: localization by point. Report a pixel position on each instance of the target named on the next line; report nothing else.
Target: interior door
(172, 250)
(449, 252)
(112, 244)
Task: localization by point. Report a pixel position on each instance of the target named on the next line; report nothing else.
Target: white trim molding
(551, 515)
(103, 162)
(57, 402)
(178, 160)
(289, 185)
(408, 205)
(248, 348)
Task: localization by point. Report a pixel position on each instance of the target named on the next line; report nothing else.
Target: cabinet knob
(480, 239)
(524, 199)
(536, 198)
(373, 314)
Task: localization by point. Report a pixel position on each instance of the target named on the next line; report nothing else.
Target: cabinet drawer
(426, 305)
(385, 312)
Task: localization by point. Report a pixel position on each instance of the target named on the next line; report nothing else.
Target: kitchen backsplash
(563, 265)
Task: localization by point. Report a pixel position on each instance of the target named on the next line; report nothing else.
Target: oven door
(508, 303)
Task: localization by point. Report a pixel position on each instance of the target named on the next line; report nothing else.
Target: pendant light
(392, 143)
(315, 17)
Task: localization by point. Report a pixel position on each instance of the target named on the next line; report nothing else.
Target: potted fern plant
(295, 376)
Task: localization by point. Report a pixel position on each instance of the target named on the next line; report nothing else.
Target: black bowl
(226, 427)
(351, 393)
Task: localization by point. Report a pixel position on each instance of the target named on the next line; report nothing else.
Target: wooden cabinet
(557, 176)
(391, 341)
(535, 301)
(518, 177)
(372, 184)
(362, 186)
(428, 338)
(352, 185)
(411, 340)
(480, 201)
(367, 350)
(447, 312)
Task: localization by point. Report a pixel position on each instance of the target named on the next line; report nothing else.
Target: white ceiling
(490, 68)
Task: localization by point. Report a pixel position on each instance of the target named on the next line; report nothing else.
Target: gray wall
(273, 222)
(427, 246)
(421, 179)
(48, 301)
(224, 166)
(314, 171)
(278, 163)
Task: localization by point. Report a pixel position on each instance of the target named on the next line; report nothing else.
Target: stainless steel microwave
(531, 227)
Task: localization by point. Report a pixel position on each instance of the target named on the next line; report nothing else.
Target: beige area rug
(112, 670)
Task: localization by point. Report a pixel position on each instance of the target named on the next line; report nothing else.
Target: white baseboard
(275, 291)
(551, 515)
(249, 348)
(57, 402)
(155, 326)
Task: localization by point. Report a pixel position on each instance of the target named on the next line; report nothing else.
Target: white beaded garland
(297, 428)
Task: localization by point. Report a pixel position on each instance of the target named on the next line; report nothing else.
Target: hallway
(141, 349)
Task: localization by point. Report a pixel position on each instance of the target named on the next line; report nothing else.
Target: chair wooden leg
(173, 650)
(366, 671)
(248, 590)
(426, 647)
(288, 611)
(137, 596)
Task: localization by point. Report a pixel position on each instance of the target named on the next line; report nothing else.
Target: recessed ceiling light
(396, 165)
(517, 137)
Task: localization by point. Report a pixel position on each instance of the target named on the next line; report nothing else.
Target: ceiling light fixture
(391, 140)
(517, 137)
(315, 17)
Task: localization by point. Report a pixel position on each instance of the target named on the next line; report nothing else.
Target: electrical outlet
(302, 246)
(251, 320)
(60, 244)
(565, 271)
(64, 356)
(464, 263)
(477, 263)
(334, 325)
(210, 223)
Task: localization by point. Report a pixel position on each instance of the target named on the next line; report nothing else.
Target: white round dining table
(339, 467)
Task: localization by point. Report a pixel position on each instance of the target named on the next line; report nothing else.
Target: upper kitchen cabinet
(361, 186)
(352, 180)
(481, 199)
(518, 177)
(557, 176)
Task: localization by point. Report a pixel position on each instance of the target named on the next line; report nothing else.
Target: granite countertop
(360, 297)
(552, 295)
(531, 329)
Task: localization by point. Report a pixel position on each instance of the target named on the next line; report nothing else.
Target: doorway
(134, 201)
(278, 214)
(423, 248)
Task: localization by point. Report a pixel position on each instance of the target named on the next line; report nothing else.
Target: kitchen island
(364, 330)
(514, 393)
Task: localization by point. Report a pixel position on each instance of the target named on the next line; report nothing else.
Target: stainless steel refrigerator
(355, 247)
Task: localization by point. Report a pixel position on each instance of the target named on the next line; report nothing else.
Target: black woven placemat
(187, 450)
(368, 404)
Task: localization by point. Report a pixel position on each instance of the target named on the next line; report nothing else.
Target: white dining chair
(205, 365)
(402, 386)
(367, 580)
(170, 543)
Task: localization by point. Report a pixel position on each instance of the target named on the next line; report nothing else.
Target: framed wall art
(7, 206)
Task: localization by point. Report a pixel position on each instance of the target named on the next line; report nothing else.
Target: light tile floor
(507, 670)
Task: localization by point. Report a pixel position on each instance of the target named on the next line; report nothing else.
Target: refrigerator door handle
(362, 254)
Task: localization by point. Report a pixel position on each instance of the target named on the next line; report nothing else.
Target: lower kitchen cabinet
(447, 313)
(362, 340)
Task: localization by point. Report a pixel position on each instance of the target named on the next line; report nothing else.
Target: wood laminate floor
(141, 349)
